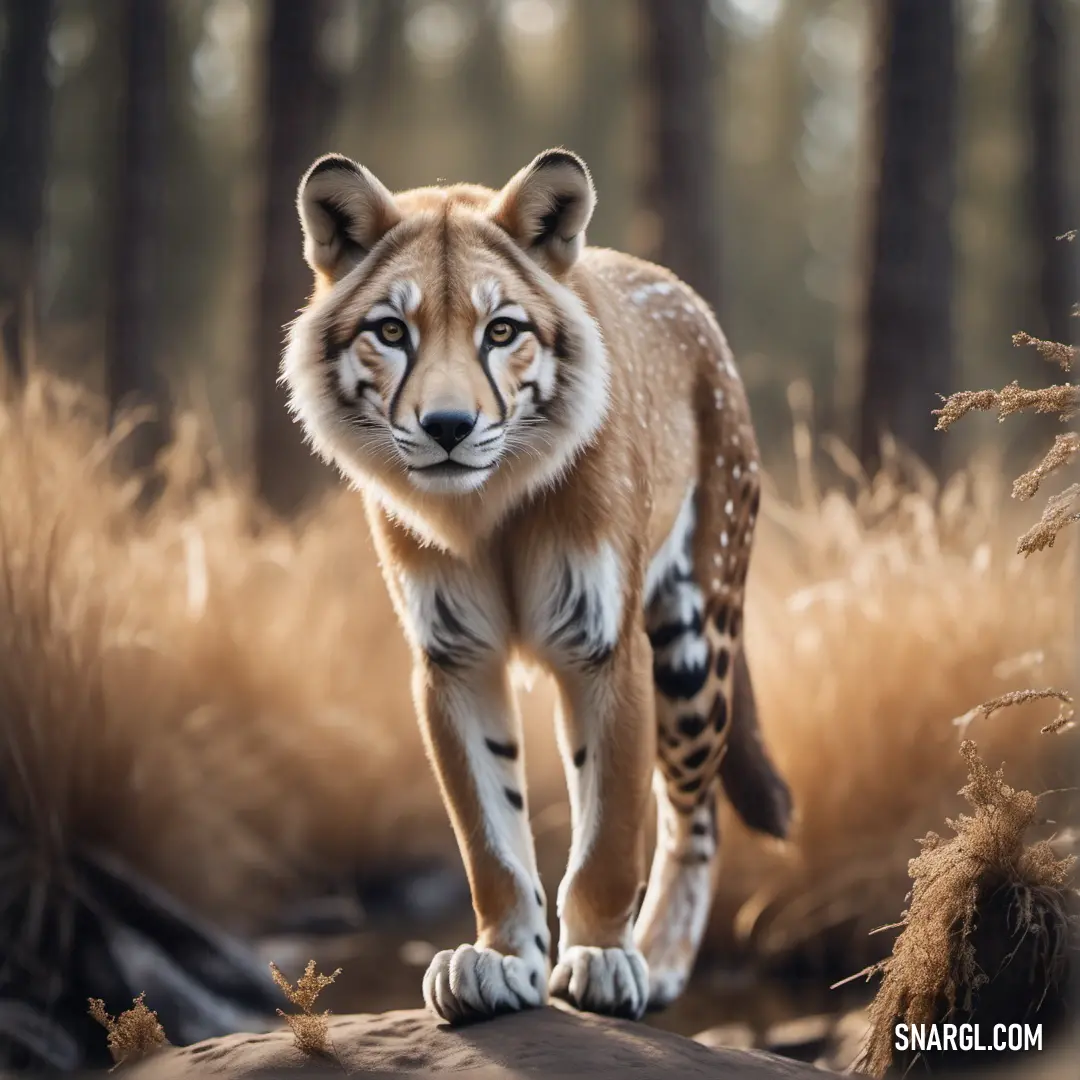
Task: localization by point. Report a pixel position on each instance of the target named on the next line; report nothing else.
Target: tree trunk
(300, 100)
(133, 376)
(681, 185)
(906, 343)
(1049, 200)
(24, 143)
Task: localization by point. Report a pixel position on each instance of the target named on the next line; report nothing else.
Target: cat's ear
(546, 207)
(344, 210)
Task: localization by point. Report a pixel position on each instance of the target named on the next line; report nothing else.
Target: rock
(728, 1036)
(548, 1042)
(805, 1038)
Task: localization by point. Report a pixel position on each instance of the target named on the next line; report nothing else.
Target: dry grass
(1022, 697)
(310, 1030)
(936, 970)
(225, 703)
(218, 699)
(134, 1034)
(874, 620)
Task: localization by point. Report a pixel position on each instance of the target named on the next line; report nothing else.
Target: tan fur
(536, 537)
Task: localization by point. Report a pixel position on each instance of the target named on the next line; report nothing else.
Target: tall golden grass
(223, 700)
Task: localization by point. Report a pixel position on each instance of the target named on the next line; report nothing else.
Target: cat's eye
(501, 332)
(391, 332)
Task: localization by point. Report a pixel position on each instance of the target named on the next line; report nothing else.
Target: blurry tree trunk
(1050, 214)
(489, 93)
(602, 126)
(133, 354)
(681, 184)
(906, 334)
(24, 142)
(300, 101)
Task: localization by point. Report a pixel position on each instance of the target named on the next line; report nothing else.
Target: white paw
(473, 983)
(614, 982)
(665, 985)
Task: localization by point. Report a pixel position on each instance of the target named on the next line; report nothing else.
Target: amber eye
(391, 331)
(501, 332)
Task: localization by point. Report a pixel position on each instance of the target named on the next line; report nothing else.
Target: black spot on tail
(723, 659)
(691, 726)
(697, 758)
(680, 684)
(579, 758)
(664, 635)
(514, 798)
(719, 715)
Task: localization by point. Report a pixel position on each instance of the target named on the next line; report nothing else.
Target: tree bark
(907, 327)
(300, 100)
(133, 375)
(24, 144)
(682, 186)
(1048, 195)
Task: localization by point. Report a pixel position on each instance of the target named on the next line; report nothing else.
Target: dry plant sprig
(311, 1030)
(1060, 511)
(1054, 351)
(1022, 697)
(933, 965)
(1063, 400)
(134, 1034)
(1061, 454)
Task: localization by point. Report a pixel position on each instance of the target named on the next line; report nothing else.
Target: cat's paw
(614, 982)
(474, 983)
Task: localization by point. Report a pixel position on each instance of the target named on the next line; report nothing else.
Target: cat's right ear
(344, 210)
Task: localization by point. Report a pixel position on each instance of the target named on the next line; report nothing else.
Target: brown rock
(728, 1037)
(555, 1042)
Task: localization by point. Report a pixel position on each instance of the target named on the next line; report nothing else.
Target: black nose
(448, 428)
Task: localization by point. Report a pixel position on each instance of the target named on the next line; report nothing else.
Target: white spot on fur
(405, 296)
(653, 288)
(597, 577)
(687, 652)
(485, 296)
(672, 555)
(351, 371)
